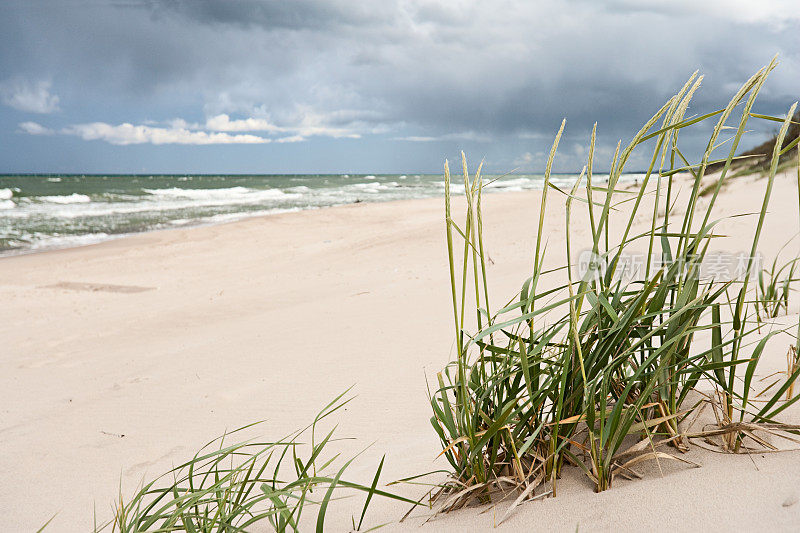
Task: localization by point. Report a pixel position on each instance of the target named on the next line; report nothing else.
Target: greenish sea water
(55, 211)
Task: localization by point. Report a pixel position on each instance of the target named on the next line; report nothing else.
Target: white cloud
(123, 134)
(301, 124)
(462, 136)
(229, 113)
(176, 131)
(306, 121)
(178, 124)
(223, 122)
(417, 139)
(28, 96)
(291, 139)
(34, 128)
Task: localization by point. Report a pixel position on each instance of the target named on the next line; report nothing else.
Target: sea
(46, 211)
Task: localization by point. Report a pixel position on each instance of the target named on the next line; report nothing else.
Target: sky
(390, 86)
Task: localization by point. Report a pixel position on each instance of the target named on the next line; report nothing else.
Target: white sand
(270, 318)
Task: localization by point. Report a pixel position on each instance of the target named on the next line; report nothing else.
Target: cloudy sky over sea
(382, 86)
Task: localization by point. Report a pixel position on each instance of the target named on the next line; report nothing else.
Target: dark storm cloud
(422, 69)
(292, 15)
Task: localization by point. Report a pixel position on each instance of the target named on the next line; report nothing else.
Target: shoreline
(55, 229)
(198, 224)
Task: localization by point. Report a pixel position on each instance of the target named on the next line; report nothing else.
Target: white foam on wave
(370, 177)
(515, 184)
(68, 241)
(73, 198)
(7, 204)
(374, 186)
(177, 192)
(173, 199)
(231, 217)
(454, 187)
(232, 195)
(54, 180)
(505, 184)
(178, 198)
(6, 194)
(299, 188)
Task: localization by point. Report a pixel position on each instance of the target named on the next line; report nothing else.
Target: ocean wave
(227, 195)
(232, 217)
(374, 186)
(454, 187)
(74, 198)
(5, 199)
(67, 241)
(177, 192)
(157, 200)
(515, 184)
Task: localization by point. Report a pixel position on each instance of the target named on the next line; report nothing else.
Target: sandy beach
(411, 265)
(119, 360)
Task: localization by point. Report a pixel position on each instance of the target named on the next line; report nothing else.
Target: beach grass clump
(251, 485)
(594, 367)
